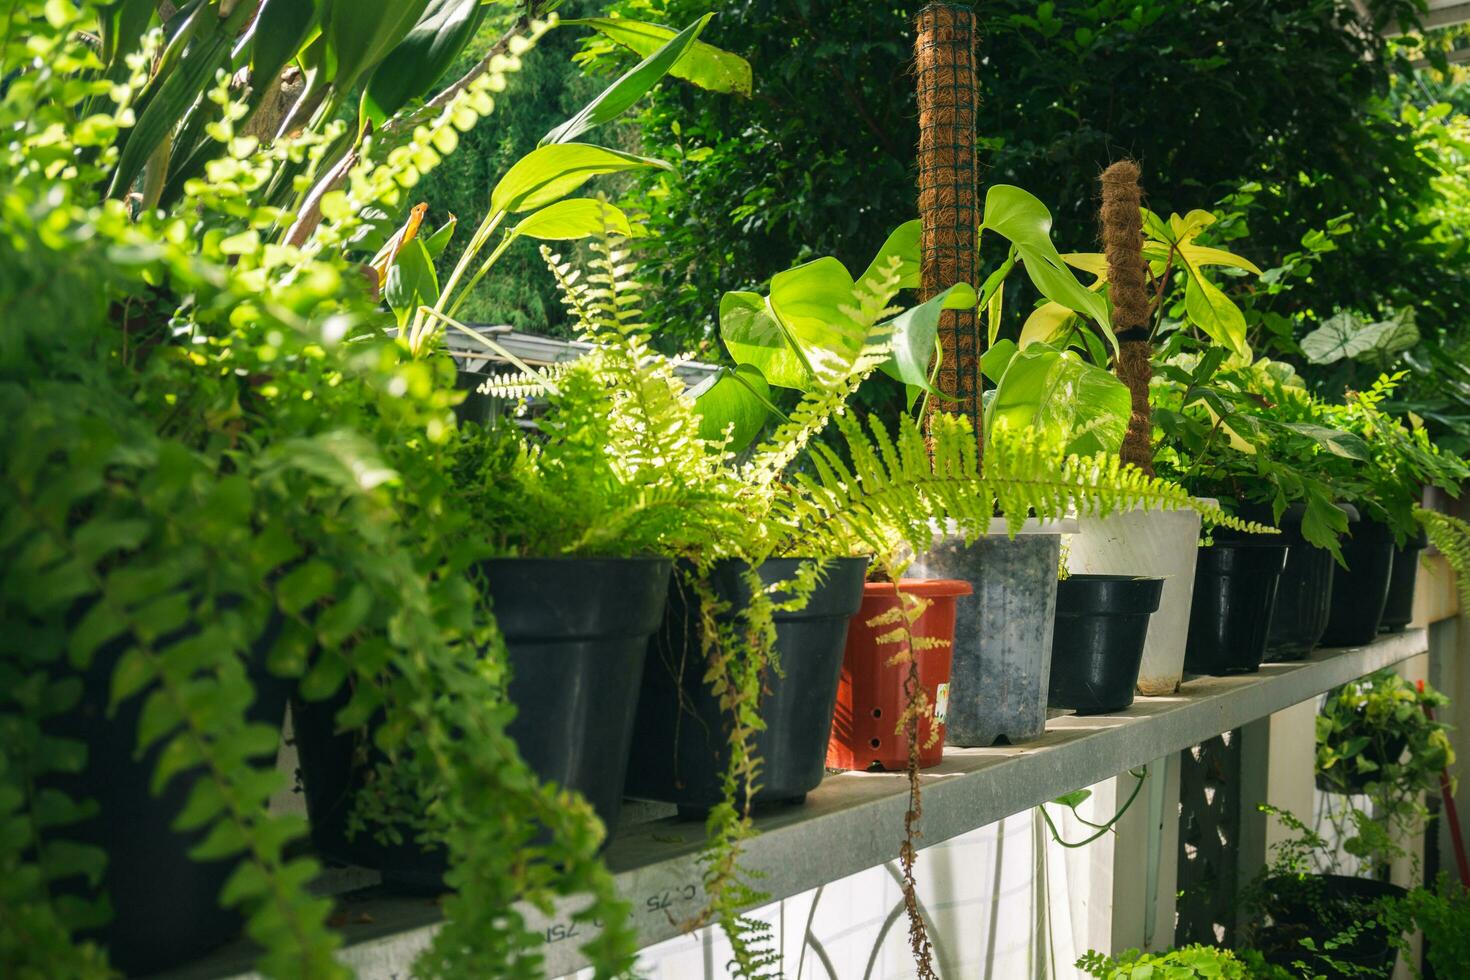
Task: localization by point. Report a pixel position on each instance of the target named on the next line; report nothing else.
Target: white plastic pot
(1162, 544)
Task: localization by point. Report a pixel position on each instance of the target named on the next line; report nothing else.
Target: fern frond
(521, 385)
(893, 491)
(827, 399)
(1451, 536)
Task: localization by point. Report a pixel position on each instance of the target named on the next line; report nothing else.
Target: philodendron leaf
(809, 303)
(903, 242)
(416, 63)
(1047, 324)
(549, 173)
(577, 218)
(735, 400)
(914, 334)
(703, 64)
(1023, 220)
(1073, 799)
(1057, 391)
(614, 100)
(1214, 313)
(754, 338)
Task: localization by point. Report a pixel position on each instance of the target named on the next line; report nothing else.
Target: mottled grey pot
(1002, 639)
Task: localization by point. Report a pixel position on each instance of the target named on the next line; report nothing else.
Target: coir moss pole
(944, 55)
(1122, 234)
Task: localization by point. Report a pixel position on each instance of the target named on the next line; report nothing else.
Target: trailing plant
(1375, 739)
(1291, 884)
(195, 454)
(1185, 963)
(1076, 798)
(1442, 914)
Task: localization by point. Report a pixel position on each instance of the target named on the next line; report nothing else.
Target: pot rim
(924, 588)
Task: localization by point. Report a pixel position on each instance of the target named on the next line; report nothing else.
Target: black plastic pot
(1320, 908)
(680, 750)
(576, 631)
(1304, 594)
(1097, 645)
(1398, 608)
(165, 905)
(1360, 591)
(1234, 595)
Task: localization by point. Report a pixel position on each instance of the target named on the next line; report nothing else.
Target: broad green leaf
(436, 243)
(903, 242)
(735, 399)
(417, 62)
(1047, 324)
(1214, 313)
(1346, 335)
(704, 64)
(914, 336)
(614, 100)
(1058, 392)
(1025, 222)
(993, 363)
(1093, 262)
(808, 303)
(993, 312)
(1182, 229)
(753, 337)
(1203, 255)
(411, 283)
(576, 218)
(1335, 441)
(281, 29)
(360, 33)
(549, 173)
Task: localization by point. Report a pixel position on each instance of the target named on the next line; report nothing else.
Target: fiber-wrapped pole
(944, 55)
(1122, 234)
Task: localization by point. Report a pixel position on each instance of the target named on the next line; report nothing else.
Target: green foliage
(1374, 738)
(1064, 86)
(194, 450)
(1253, 435)
(1451, 536)
(1185, 963)
(1443, 915)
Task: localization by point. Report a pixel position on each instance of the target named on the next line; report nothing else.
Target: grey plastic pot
(1002, 641)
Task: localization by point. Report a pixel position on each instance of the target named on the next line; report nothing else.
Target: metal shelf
(655, 855)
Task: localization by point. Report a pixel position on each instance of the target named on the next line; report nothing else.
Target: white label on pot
(941, 703)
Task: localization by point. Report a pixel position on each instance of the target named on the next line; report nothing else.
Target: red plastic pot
(870, 697)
